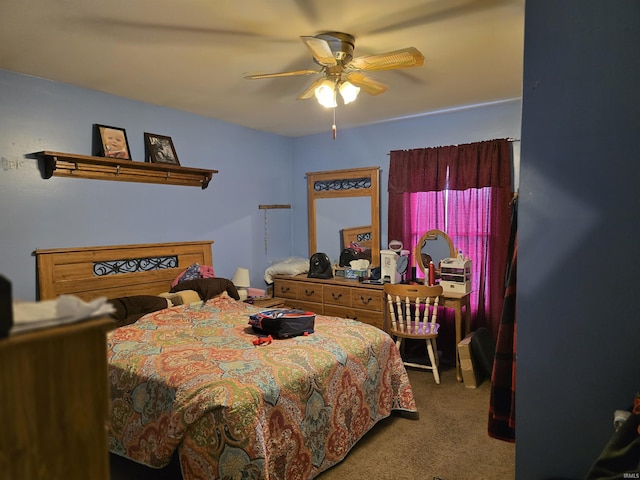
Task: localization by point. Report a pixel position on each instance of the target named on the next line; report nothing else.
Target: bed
(189, 380)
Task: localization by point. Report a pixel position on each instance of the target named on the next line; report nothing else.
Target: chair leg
(433, 359)
(435, 351)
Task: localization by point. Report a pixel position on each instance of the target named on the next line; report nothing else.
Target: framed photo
(160, 149)
(112, 142)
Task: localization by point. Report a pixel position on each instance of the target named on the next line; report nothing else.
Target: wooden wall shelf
(117, 169)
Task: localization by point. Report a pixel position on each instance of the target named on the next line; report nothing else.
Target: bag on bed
(283, 322)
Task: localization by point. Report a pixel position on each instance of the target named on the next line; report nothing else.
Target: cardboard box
(470, 374)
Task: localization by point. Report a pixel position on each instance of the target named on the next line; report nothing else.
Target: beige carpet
(448, 442)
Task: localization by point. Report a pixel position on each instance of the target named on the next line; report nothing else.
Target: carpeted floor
(449, 441)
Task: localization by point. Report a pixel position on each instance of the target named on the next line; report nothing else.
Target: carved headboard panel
(116, 270)
(360, 235)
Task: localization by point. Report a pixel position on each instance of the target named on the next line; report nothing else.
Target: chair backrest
(412, 309)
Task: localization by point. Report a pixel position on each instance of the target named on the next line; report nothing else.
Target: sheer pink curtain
(465, 191)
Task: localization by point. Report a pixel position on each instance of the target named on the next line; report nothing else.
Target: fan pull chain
(334, 129)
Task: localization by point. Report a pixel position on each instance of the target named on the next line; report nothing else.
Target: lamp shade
(349, 92)
(241, 278)
(326, 94)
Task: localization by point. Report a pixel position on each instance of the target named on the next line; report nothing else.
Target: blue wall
(579, 223)
(254, 168)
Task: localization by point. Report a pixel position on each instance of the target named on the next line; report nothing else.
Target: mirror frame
(435, 233)
(352, 182)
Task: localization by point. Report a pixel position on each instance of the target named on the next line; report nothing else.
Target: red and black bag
(283, 322)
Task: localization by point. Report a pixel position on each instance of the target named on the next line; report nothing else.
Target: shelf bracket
(269, 207)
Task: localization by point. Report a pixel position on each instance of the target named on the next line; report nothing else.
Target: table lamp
(242, 281)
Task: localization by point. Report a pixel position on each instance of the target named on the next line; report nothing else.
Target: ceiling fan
(343, 73)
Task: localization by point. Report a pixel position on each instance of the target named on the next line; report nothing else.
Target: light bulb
(349, 92)
(325, 93)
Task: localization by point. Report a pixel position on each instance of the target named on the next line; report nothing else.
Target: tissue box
(352, 273)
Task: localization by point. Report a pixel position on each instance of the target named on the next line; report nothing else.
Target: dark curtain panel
(502, 405)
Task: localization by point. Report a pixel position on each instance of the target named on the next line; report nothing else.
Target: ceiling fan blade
(281, 74)
(320, 50)
(404, 58)
(368, 84)
(310, 90)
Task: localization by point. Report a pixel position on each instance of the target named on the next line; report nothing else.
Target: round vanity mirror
(433, 246)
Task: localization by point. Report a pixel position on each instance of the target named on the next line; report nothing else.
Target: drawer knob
(336, 296)
(284, 289)
(308, 293)
(366, 301)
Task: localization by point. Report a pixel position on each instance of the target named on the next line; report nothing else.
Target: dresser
(54, 403)
(336, 297)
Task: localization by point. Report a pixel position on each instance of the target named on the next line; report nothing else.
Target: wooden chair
(412, 312)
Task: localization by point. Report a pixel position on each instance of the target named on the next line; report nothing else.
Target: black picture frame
(112, 142)
(160, 149)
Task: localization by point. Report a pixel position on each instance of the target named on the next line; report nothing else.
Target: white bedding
(288, 266)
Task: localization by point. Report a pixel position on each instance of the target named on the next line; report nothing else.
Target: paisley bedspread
(189, 378)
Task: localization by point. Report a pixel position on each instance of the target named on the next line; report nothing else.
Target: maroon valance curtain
(456, 167)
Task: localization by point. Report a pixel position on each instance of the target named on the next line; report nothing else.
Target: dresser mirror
(434, 245)
(340, 203)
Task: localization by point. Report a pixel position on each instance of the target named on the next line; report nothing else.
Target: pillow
(191, 273)
(130, 309)
(208, 287)
(288, 266)
(182, 297)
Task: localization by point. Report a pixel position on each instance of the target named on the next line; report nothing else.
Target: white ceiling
(192, 55)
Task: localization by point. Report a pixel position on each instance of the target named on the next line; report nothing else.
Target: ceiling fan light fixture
(326, 94)
(348, 91)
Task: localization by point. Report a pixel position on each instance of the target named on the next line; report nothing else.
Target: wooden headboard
(359, 235)
(116, 270)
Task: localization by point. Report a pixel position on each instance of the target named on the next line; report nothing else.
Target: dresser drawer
(316, 308)
(364, 316)
(310, 292)
(336, 295)
(367, 299)
(285, 289)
